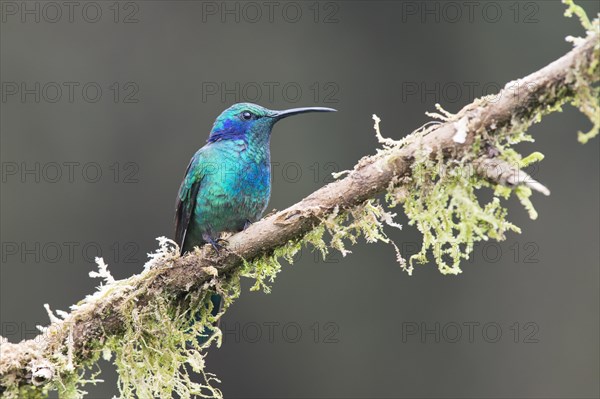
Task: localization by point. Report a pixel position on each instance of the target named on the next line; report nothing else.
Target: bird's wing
(186, 199)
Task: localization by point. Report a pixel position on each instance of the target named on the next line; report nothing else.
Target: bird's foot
(247, 224)
(215, 243)
(222, 243)
(218, 247)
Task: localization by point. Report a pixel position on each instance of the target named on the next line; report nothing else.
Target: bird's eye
(247, 115)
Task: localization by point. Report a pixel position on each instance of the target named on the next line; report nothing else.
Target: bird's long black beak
(295, 111)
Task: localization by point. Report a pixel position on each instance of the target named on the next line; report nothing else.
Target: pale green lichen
(446, 210)
(579, 12)
(265, 268)
(159, 354)
(440, 199)
(27, 392)
(69, 383)
(334, 232)
(587, 100)
(587, 97)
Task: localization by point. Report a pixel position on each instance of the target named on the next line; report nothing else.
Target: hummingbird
(227, 184)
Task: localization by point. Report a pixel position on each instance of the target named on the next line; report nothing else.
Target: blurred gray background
(104, 104)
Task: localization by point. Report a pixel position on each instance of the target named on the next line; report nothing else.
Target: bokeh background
(140, 85)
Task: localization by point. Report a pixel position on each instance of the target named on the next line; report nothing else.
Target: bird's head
(251, 121)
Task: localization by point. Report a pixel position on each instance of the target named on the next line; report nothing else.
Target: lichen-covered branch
(147, 323)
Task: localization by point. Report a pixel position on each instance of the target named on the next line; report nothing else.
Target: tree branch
(82, 333)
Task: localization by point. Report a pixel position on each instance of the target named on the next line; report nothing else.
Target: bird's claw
(222, 243)
(218, 244)
(217, 247)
